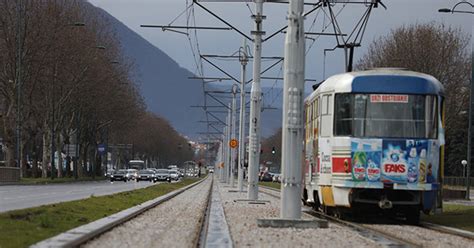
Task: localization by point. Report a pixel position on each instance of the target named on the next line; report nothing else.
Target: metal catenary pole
(221, 176)
(255, 105)
(243, 60)
(233, 153)
(470, 130)
(292, 133)
(229, 150)
(221, 150)
(226, 154)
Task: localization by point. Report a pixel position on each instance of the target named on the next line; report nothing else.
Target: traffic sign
(233, 143)
(101, 148)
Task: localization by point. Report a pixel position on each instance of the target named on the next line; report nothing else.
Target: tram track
(83, 235)
(394, 234)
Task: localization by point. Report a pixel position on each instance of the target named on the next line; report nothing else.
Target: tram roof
(384, 80)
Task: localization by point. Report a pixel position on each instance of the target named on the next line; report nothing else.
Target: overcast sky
(163, 12)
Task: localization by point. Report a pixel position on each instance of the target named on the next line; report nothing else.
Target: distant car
(120, 175)
(162, 174)
(276, 177)
(266, 177)
(181, 172)
(132, 174)
(108, 173)
(146, 175)
(174, 175)
(211, 170)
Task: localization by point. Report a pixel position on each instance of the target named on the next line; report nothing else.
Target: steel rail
(380, 237)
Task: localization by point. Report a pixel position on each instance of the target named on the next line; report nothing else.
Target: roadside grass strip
(457, 216)
(35, 181)
(271, 185)
(22, 228)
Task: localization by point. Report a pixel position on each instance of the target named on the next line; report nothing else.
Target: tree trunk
(23, 161)
(10, 155)
(84, 157)
(35, 167)
(80, 162)
(46, 154)
(60, 156)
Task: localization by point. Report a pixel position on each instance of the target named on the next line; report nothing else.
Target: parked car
(174, 175)
(162, 175)
(119, 175)
(146, 175)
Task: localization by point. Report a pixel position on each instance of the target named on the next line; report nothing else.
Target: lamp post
(452, 10)
(471, 100)
(18, 83)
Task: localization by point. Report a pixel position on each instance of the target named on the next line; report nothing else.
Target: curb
(449, 230)
(82, 234)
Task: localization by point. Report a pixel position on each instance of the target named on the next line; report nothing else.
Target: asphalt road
(26, 196)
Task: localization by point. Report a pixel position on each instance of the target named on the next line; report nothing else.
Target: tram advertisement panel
(366, 155)
(394, 161)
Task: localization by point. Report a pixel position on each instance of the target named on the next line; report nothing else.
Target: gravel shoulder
(175, 223)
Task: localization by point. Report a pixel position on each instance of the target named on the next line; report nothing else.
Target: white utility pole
(225, 158)
(292, 133)
(255, 105)
(243, 61)
(217, 165)
(228, 149)
(233, 153)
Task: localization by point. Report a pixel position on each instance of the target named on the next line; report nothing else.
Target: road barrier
(9, 174)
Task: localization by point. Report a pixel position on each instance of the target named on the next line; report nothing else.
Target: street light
(464, 163)
(452, 10)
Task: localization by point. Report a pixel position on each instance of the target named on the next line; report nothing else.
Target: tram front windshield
(386, 116)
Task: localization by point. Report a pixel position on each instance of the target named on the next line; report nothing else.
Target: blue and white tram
(374, 140)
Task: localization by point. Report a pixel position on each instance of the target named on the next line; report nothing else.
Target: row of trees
(63, 80)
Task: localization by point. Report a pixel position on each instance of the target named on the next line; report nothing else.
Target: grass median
(454, 215)
(36, 181)
(22, 228)
(271, 185)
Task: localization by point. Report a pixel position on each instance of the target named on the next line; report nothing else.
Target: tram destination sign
(379, 98)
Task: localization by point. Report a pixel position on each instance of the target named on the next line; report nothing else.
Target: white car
(174, 175)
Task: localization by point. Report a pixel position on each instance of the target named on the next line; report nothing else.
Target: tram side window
(326, 120)
(343, 115)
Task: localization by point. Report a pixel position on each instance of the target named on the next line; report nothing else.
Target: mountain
(164, 85)
(168, 92)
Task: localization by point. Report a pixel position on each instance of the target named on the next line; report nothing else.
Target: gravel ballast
(242, 219)
(175, 223)
(423, 236)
